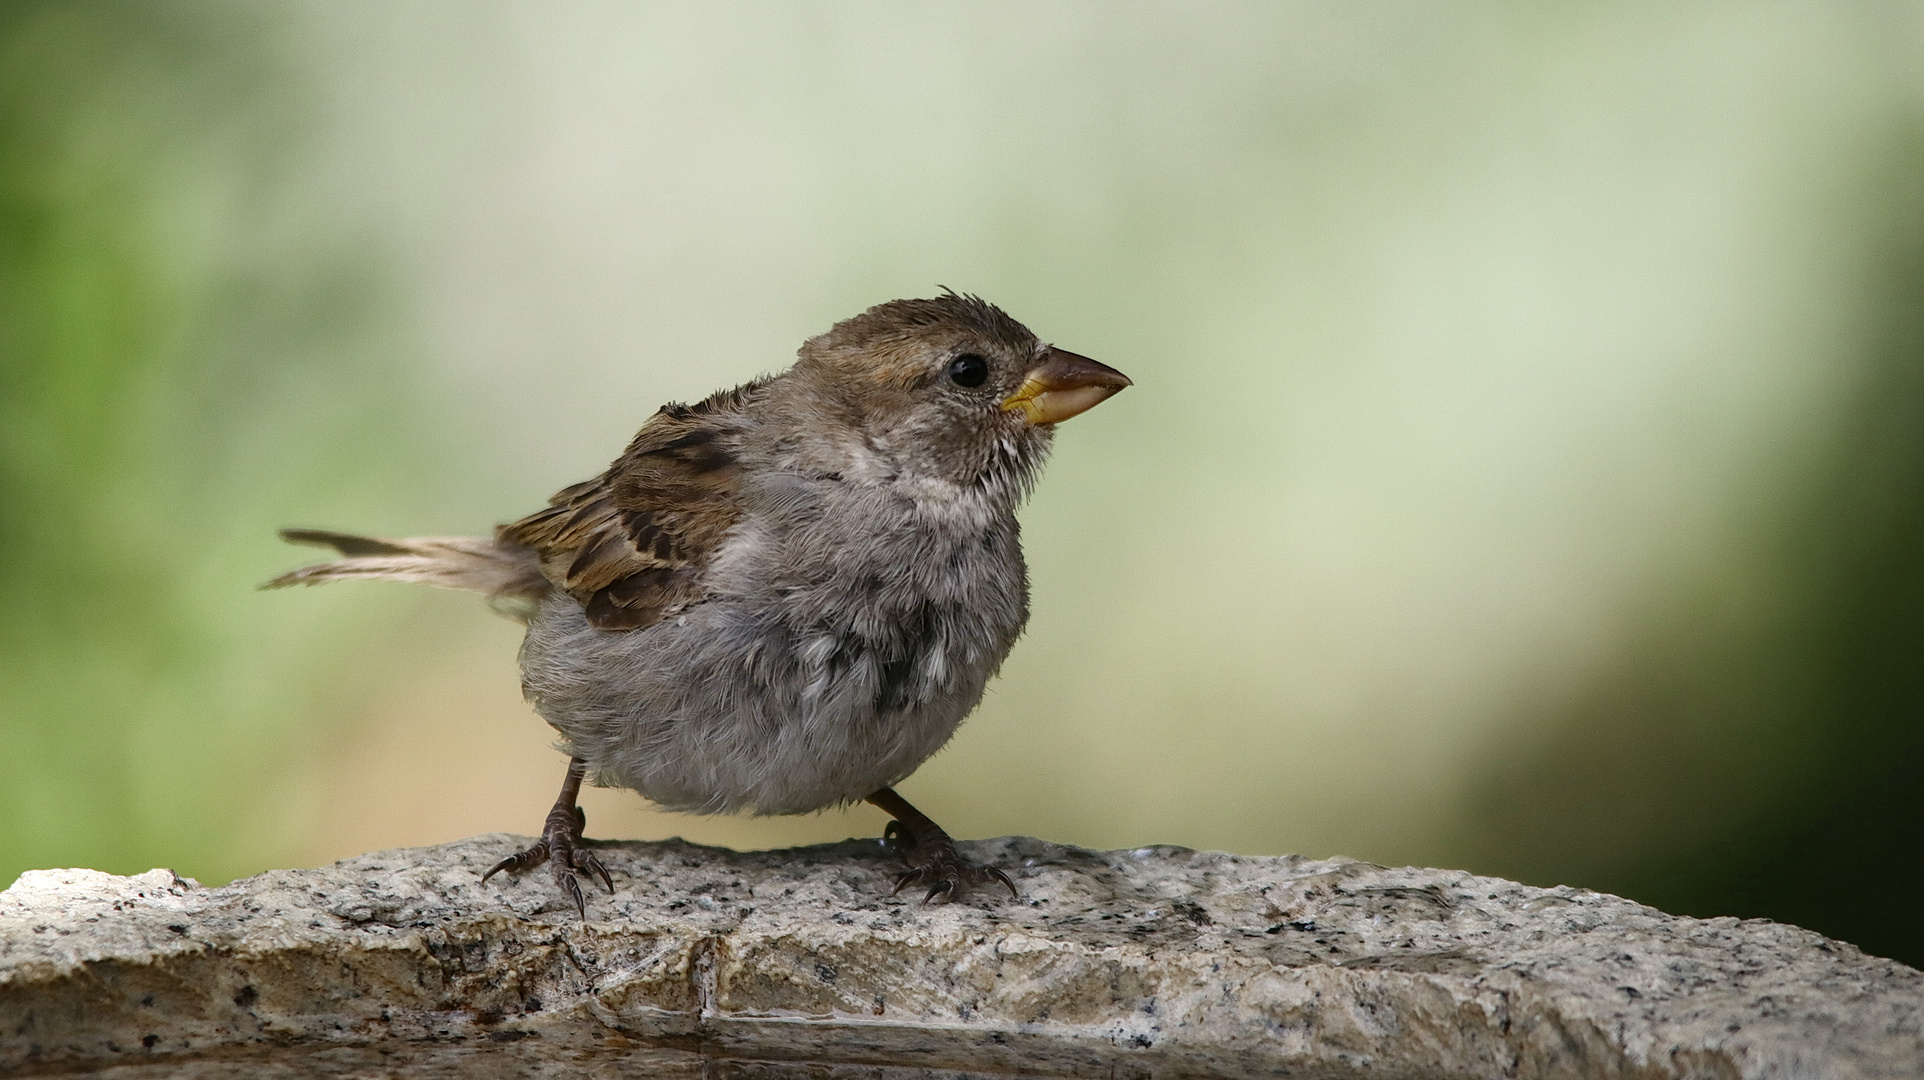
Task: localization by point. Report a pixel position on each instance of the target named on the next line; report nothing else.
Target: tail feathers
(508, 575)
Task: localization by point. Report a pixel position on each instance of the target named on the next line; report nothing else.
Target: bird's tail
(507, 574)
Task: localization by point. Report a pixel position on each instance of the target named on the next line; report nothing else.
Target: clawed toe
(930, 853)
(563, 857)
(942, 869)
(561, 847)
(565, 878)
(586, 862)
(988, 872)
(951, 880)
(909, 877)
(520, 860)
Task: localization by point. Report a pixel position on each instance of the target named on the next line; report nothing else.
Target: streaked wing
(632, 543)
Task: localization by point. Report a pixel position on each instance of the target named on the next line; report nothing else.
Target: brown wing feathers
(629, 545)
(632, 543)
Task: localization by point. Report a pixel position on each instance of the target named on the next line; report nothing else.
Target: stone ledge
(1160, 961)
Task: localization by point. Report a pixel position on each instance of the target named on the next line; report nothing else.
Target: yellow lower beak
(1065, 385)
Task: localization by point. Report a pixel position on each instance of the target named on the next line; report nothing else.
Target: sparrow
(787, 596)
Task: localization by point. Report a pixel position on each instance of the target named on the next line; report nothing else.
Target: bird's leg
(929, 853)
(559, 844)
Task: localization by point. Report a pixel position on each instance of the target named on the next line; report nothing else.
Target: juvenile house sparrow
(785, 597)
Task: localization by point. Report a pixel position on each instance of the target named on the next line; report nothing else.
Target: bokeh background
(1525, 469)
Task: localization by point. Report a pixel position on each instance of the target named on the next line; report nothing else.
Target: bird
(785, 597)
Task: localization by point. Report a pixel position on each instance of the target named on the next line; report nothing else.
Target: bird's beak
(1064, 386)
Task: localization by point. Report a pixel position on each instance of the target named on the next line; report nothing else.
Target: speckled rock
(708, 962)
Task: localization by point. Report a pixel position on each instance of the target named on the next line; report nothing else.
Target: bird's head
(951, 387)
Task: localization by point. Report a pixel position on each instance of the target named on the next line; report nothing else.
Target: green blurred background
(1525, 470)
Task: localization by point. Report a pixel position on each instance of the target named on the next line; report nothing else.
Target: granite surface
(1153, 962)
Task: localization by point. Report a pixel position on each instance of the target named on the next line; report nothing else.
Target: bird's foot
(933, 861)
(561, 847)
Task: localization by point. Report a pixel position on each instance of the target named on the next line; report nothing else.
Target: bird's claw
(935, 862)
(586, 862)
(560, 847)
(520, 860)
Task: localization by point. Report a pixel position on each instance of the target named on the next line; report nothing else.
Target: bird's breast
(924, 581)
(846, 633)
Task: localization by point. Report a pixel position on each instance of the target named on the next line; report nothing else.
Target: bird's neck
(817, 434)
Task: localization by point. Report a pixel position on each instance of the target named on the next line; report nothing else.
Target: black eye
(969, 370)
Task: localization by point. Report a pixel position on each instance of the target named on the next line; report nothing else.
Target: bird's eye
(969, 370)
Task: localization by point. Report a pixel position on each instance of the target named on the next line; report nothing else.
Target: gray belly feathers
(844, 633)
